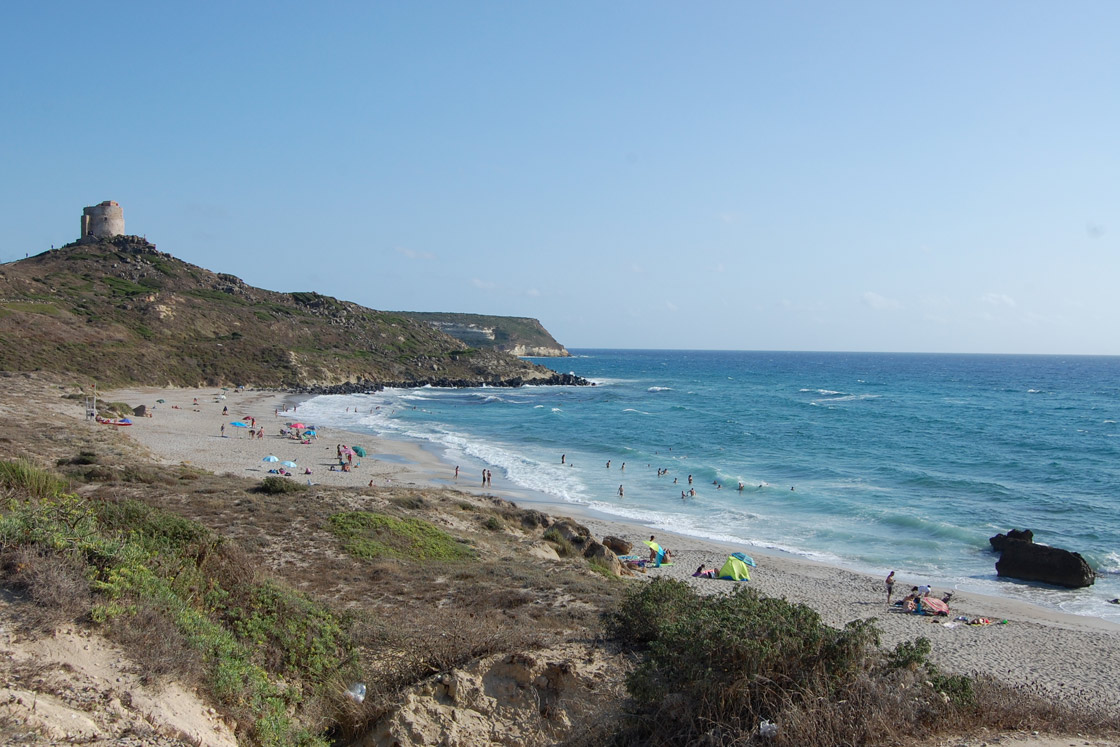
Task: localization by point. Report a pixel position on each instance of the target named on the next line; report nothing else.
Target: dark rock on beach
(1021, 558)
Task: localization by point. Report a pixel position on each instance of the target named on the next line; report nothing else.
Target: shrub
(732, 660)
(276, 485)
(493, 523)
(563, 547)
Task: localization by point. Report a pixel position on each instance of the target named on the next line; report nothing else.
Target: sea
(867, 461)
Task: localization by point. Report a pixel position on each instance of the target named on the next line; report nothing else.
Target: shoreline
(1066, 655)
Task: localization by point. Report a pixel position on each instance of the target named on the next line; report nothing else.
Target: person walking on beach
(223, 430)
(890, 586)
(456, 471)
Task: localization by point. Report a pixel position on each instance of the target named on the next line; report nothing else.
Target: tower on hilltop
(102, 221)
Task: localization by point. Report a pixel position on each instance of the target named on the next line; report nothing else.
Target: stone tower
(102, 221)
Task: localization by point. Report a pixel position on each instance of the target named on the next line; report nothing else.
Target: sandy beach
(1066, 657)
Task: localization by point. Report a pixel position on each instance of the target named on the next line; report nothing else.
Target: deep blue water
(897, 461)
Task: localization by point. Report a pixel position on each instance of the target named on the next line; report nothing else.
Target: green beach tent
(735, 570)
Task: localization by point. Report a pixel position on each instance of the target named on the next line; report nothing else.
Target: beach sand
(1066, 657)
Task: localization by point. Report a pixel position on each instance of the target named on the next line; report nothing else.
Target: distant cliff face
(515, 335)
(116, 310)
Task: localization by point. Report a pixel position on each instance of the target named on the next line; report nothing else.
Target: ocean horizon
(868, 461)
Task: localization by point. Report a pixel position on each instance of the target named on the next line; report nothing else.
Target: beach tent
(735, 570)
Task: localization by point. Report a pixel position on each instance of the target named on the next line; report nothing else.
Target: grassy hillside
(121, 311)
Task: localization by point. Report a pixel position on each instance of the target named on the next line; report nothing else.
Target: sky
(861, 176)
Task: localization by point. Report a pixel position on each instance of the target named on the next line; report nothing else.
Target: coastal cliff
(120, 311)
(520, 336)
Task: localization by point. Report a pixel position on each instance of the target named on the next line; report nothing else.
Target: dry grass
(54, 584)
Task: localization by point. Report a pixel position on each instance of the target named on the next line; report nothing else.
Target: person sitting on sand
(701, 573)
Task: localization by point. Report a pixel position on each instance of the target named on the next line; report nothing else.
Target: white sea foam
(660, 389)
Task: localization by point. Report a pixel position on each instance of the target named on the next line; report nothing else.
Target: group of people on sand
(913, 601)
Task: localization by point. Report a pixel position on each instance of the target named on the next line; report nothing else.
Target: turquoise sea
(868, 461)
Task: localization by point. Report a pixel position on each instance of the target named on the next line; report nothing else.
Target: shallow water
(906, 462)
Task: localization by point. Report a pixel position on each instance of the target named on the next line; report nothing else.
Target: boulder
(531, 519)
(140, 412)
(603, 554)
(619, 545)
(1050, 565)
(577, 534)
(998, 541)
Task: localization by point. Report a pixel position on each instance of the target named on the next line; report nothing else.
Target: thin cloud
(482, 284)
(413, 254)
(533, 293)
(880, 303)
(671, 306)
(998, 299)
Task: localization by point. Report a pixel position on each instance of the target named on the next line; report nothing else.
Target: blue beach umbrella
(271, 458)
(289, 465)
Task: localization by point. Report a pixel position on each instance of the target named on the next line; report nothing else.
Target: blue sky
(939, 177)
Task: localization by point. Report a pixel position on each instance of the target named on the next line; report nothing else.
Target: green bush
(732, 660)
(276, 485)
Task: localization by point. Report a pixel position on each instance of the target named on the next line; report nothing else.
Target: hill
(512, 334)
(121, 311)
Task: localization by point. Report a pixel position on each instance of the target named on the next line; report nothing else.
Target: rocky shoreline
(366, 387)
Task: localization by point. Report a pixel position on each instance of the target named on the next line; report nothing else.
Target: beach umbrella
(271, 458)
(161, 401)
(310, 433)
(297, 425)
(239, 424)
(359, 450)
(289, 465)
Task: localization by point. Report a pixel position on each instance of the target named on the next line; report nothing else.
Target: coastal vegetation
(123, 312)
(718, 669)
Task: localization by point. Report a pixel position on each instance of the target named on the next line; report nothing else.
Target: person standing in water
(620, 493)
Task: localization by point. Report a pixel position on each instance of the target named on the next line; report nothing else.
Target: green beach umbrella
(359, 451)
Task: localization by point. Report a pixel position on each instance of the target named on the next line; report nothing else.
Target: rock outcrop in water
(1021, 558)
